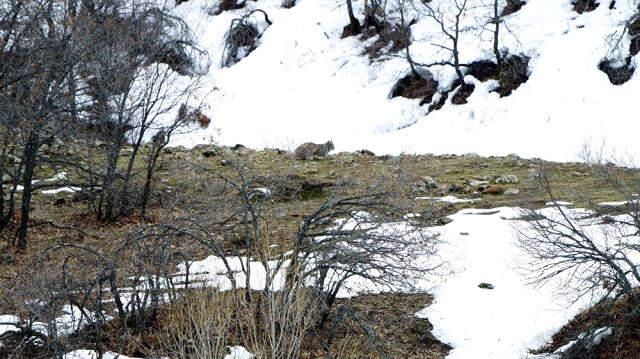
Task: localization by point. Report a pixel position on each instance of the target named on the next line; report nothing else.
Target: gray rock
(511, 192)
(6, 178)
(508, 179)
(429, 182)
(477, 183)
(485, 286)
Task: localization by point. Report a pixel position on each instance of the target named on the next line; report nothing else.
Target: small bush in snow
(242, 38)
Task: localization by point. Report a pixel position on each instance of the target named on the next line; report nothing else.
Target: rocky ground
(445, 183)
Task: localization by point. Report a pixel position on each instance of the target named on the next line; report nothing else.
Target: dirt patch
(624, 341)
(512, 72)
(512, 6)
(393, 318)
(294, 187)
(415, 87)
(483, 70)
(618, 73)
(634, 34)
(581, 6)
(227, 5)
(440, 103)
(391, 40)
(463, 93)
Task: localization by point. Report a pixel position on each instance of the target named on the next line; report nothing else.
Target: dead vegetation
(582, 6)
(242, 37)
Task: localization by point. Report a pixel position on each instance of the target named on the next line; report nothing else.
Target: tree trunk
(30, 153)
(496, 34)
(354, 24)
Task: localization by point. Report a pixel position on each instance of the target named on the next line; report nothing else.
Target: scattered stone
(486, 286)
(429, 182)
(454, 188)
(224, 163)
(477, 183)
(443, 221)
(238, 147)
(508, 179)
(365, 152)
(495, 190)
(6, 178)
(511, 192)
(211, 152)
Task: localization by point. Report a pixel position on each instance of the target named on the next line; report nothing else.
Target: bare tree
(450, 16)
(131, 77)
(593, 252)
(35, 53)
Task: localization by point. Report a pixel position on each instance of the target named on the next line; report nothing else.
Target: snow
(559, 203)
(50, 192)
(479, 246)
(450, 199)
(504, 322)
(303, 83)
(238, 352)
(617, 203)
(598, 335)
(8, 323)
(90, 354)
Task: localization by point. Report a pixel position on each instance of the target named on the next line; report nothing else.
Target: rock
(365, 152)
(454, 188)
(426, 184)
(508, 179)
(486, 286)
(6, 178)
(237, 147)
(511, 192)
(477, 183)
(429, 182)
(224, 162)
(211, 152)
(495, 189)
(443, 221)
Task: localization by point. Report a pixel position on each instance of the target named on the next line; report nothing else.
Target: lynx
(309, 150)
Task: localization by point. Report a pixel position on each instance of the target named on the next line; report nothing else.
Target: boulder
(512, 192)
(508, 179)
(495, 190)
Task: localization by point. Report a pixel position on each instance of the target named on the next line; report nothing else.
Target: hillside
(337, 179)
(304, 82)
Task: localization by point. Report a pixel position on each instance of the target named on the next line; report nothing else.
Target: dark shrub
(618, 73)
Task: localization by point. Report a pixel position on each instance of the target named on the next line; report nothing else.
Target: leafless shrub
(593, 252)
(242, 38)
(198, 326)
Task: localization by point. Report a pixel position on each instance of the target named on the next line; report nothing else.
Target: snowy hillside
(305, 83)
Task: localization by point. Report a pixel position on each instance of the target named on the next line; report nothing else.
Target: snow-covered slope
(305, 83)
